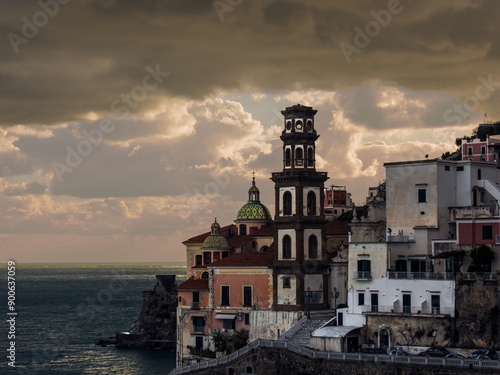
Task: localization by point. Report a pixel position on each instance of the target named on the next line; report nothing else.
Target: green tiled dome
(215, 241)
(253, 211)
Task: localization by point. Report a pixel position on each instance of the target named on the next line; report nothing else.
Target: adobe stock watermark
(223, 6)
(372, 29)
(40, 19)
(461, 112)
(85, 313)
(94, 137)
(210, 191)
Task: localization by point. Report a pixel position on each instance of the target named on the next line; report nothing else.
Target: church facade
(259, 276)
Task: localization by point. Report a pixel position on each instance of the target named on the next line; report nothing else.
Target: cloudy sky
(127, 126)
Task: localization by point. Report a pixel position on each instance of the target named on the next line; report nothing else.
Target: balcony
(415, 310)
(458, 213)
(399, 238)
(195, 306)
(420, 275)
(362, 275)
(198, 330)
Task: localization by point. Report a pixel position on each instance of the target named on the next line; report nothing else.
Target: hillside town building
(396, 275)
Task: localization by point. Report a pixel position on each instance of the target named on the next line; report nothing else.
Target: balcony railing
(198, 329)
(398, 309)
(472, 212)
(201, 352)
(420, 275)
(399, 238)
(362, 275)
(195, 305)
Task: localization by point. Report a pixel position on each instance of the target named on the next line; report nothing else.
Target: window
(374, 301)
(196, 297)
(446, 167)
(330, 201)
(207, 257)
(311, 203)
(422, 195)
(198, 324)
(228, 324)
(364, 269)
(225, 254)
(225, 295)
(313, 247)
(287, 157)
(310, 157)
(198, 260)
(299, 156)
(469, 150)
(487, 232)
(204, 275)
(407, 303)
(286, 283)
(287, 247)
(287, 203)
(479, 174)
(361, 299)
(249, 370)
(247, 319)
(436, 304)
(483, 150)
(460, 169)
(243, 230)
(247, 296)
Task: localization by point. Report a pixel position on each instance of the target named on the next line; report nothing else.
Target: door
(436, 304)
(407, 303)
(374, 302)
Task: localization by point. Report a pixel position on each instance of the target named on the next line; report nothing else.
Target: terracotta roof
(265, 230)
(202, 237)
(337, 227)
(238, 241)
(194, 284)
(245, 260)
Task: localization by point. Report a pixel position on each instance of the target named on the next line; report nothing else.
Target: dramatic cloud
(126, 127)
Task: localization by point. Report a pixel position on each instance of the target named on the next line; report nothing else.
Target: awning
(225, 316)
(334, 331)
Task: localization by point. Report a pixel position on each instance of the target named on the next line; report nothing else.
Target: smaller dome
(253, 188)
(215, 241)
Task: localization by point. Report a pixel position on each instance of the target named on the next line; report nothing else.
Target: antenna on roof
(486, 118)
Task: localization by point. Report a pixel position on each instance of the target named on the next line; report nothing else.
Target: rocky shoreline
(156, 325)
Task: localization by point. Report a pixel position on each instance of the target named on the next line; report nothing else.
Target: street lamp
(335, 294)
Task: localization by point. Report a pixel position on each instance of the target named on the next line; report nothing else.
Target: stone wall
(408, 330)
(477, 313)
(272, 361)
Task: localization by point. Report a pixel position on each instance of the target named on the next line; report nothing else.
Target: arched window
(311, 203)
(204, 275)
(287, 247)
(255, 245)
(287, 157)
(243, 229)
(479, 174)
(287, 203)
(299, 156)
(310, 157)
(313, 246)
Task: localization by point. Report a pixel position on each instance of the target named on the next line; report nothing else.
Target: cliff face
(477, 313)
(157, 325)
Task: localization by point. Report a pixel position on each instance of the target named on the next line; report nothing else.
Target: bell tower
(300, 264)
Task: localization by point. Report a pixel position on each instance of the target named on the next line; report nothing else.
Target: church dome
(253, 211)
(215, 240)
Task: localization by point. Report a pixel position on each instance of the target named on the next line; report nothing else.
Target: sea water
(63, 310)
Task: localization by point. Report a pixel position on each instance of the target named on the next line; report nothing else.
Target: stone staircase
(300, 332)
